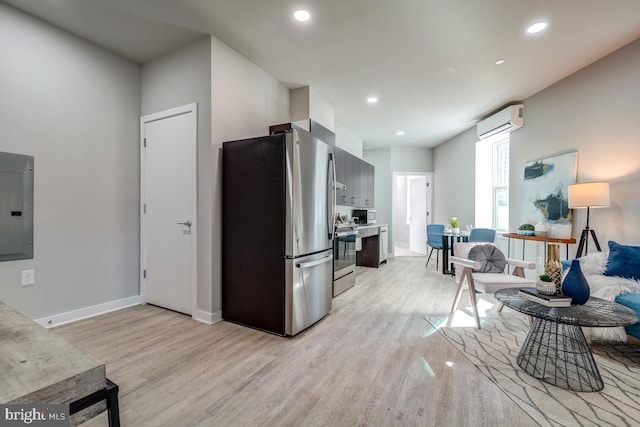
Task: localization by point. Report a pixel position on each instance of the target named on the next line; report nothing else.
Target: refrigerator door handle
(314, 263)
(332, 201)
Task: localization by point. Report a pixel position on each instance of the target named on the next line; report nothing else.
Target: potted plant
(455, 225)
(545, 285)
(526, 230)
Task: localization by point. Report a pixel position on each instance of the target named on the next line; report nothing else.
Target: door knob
(187, 223)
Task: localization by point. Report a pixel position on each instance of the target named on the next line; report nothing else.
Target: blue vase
(575, 285)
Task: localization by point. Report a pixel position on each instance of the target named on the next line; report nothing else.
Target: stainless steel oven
(344, 260)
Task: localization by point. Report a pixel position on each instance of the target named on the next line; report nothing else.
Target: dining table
(448, 241)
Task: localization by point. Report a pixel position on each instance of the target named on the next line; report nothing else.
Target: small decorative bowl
(526, 233)
(546, 288)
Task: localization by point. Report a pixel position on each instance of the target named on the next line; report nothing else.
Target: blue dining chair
(434, 240)
(482, 235)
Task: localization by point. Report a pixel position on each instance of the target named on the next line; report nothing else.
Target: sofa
(613, 276)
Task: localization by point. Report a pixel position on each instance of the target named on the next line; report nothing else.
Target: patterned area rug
(494, 349)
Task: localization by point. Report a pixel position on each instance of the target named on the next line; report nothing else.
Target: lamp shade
(589, 195)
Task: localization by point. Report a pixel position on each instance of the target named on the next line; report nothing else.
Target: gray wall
(594, 111)
(390, 160)
(178, 78)
(75, 108)
(381, 160)
(245, 101)
(236, 100)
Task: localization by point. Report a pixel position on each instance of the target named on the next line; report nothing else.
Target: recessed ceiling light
(499, 61)
(372, 99)
(302, 15)
(537, 27)
(400, 133)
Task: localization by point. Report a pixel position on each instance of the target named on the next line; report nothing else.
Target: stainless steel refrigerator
(278, 205)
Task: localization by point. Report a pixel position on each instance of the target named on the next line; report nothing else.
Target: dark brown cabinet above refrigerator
(358, 177)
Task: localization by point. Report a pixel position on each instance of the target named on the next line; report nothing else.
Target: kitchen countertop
(359, 227)
(372, 225)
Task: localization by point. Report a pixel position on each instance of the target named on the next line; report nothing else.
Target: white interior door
(168, 241)
(429, 179)
(418, 214)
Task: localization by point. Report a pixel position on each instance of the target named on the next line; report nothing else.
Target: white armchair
(485, 282)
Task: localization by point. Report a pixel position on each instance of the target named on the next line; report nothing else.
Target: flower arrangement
(455, 222)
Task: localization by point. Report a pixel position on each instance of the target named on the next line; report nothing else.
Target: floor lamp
(588, 195)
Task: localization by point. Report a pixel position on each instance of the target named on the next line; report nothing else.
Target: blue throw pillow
(624, 261)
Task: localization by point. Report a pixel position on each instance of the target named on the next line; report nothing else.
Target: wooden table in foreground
(516, 236)
(40, 367)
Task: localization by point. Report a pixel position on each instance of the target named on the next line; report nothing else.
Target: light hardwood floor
(400, 250)
(370, 362)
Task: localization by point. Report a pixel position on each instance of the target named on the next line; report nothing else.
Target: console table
(40, 367)
(546, 240)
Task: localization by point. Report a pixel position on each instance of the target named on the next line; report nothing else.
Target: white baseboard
(85, 313)
(207, 317)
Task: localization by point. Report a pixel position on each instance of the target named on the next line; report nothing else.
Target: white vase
(541, 229)
(546, 288)
(455, 231)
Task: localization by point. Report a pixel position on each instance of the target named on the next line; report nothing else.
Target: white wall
(245, 101)
(411, 159)
(74, 107)
(307, 103)
(390, 160)
(179, 78)
(347, 140)
(594, 111)
(597, 112)
(454, 179)
(321, 110)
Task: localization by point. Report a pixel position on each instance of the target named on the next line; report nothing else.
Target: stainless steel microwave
(371, 216)
(364, 216)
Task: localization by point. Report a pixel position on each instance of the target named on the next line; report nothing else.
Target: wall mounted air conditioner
(504, 121)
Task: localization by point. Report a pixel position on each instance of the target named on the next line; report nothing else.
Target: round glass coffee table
(555, 350)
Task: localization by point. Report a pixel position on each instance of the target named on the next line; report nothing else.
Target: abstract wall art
(544, 197)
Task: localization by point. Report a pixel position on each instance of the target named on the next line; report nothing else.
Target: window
(492, 183)
(501, 185)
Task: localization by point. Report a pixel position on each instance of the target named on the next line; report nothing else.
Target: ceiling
(430, 62)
